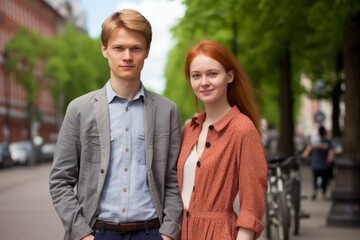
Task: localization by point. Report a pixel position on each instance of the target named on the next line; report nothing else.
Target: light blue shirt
(126, 195)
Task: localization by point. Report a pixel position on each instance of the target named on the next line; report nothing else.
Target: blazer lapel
(150, 115)
(102, 120)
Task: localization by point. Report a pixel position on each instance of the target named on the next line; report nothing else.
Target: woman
(221, 154)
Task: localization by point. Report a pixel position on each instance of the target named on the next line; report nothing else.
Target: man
(321, 156)
(119, 147)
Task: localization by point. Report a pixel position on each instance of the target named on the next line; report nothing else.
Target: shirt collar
(199, 119)
(110, 93)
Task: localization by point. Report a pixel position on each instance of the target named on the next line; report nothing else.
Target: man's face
(126, 52)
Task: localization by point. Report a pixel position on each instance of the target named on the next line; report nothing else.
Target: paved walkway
(26, 211)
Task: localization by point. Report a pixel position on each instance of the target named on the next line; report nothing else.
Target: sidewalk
(315, 228)
(26, 211)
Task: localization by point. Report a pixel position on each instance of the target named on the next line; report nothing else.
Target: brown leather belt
(126, 227)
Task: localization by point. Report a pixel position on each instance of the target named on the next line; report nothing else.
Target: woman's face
(209, 80)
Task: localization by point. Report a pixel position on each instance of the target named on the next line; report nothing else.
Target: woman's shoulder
(243, 124)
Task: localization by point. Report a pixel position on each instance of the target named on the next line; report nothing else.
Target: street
(26, 210)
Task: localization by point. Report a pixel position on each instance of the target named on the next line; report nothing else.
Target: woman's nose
(204, 80)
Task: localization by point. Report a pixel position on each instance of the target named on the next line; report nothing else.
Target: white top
(189, 176)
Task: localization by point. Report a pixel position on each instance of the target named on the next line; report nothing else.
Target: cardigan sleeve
(252, 182)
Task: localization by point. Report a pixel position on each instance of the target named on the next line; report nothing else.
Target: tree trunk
(345, 210)
(286, 134)
(336, 97)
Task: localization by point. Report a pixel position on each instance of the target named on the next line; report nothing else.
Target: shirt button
(127, 129)
(123, 210)
(211, 127)
(125, 169)
(198, 163)
(125, 189)
(102, 171)
(207, 144)
(127, 109)
(126, 149)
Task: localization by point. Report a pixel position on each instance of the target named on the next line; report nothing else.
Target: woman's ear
(230, 76)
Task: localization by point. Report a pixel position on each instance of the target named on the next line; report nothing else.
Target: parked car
(5, 156)
(47, 152)
(23, 153)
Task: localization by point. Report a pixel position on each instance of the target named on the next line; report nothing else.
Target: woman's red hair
(240, 91)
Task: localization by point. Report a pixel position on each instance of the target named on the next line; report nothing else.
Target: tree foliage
(23, 58)
(68, 65)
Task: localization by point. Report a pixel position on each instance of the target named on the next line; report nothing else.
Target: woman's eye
(213, 74)
(195, 76)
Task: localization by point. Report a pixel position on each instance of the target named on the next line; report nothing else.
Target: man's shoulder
(87, 99)
(158, 98)
(88, 96)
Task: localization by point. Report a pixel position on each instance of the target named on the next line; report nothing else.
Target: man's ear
(104, 51)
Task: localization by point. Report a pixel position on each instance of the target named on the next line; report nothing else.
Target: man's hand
(88, 237)
(166, 237)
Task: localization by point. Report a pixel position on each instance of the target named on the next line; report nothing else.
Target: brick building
(41, 17)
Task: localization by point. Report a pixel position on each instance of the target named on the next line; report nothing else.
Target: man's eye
(136, 49)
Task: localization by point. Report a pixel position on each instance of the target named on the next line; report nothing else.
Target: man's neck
(125, 89)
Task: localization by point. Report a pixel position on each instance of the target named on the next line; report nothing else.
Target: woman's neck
(215, 112)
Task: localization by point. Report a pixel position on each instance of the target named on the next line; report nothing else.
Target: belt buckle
(121, 229)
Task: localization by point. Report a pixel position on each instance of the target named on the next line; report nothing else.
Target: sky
(162, 15)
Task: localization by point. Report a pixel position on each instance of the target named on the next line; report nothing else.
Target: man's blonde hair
(129, 19)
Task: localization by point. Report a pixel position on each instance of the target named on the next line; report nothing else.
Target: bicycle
(283, 198)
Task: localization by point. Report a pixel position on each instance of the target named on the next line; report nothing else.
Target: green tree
(68, 65)
(24, 59)
(338, 29)
(81, 58)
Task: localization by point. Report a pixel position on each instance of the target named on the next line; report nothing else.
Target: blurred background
(303, 57)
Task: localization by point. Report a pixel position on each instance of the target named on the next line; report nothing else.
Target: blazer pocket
(91, 148)
(161, 146)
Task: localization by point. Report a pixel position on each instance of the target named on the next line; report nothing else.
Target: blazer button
(211, 127)
(207, 144)
(198, 163)
(102, 171)
(187, 214)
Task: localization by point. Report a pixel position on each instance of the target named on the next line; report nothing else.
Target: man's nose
(127, 54)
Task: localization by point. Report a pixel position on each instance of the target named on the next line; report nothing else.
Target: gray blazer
(82, 158)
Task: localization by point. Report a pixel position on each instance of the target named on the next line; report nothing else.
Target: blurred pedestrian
(321, 156)
(221, 154)
(119, 147)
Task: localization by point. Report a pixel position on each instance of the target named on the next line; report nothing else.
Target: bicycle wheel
(268, 217)
(296, 201)
(284, 217)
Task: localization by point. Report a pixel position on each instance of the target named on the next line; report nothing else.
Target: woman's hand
(245, 234)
